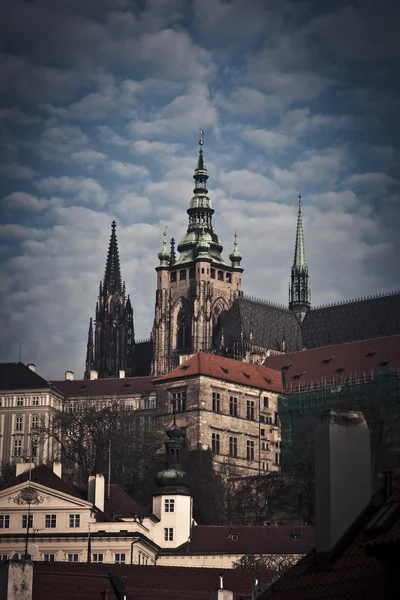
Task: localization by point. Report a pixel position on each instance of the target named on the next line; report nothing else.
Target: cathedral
(200, 305)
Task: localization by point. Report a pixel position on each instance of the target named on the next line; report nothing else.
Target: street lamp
(30, 497)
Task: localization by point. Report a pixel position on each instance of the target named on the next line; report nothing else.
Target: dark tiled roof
(270, 325)
(352, 574)
(120, 502)
(46, 477)
(352, 321)
(15, 376)
(105, 387)
(226, 369)
(337, 362)
(143, 357)
(139, 582)
(216, 539)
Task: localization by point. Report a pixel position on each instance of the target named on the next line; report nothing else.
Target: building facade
(226, 406)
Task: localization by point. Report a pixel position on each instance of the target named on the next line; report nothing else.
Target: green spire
(236, 256)
(164, 255)
(299, 250)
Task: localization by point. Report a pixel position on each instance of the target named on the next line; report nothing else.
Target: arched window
(183, 333)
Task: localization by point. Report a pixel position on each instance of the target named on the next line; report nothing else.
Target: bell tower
(194, 289)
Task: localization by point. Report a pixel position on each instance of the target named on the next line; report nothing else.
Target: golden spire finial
(201, 141)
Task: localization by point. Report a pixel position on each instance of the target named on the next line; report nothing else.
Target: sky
(101, 105)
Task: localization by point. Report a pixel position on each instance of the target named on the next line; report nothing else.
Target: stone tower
(194, 289)
(113, 347)
(299, 289)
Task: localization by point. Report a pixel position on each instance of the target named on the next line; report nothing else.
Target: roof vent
(297, 535)
(371, 354)
(340, 369)
(298, 375)
(246, 375)
(267, 380)
(82, 387)
(185, 367)
(385, 363)
(286, 367)
(224, 370)
(234, 537)
(326, 361)
(127, 385)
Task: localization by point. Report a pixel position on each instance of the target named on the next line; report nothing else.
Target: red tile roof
(332, 363)
(46, 477)
(105, 387)
(226, 369)
(216, 539)
(63, 581)
(353, 573)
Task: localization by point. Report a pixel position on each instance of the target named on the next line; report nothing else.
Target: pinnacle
(112, 275)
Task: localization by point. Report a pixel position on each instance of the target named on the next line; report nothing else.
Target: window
(277, 420)
(265, 466)
(233, 447)
(262, 432)
(266, 402)
(220, 275)
(74, 520)
(250, 410)
(250, 450)
(35, 400)
(3, 557)
(182, 274)
(215, 443)
(277, 458)
(168, 534)
(98, 558)
(216, 402)
(18, 423)
(172, 277)
(169, 505)
(4, 521)
(35, 423)
(20, 401)
(233, 406)
(179, 401)
(212, 273)
(120, 558)
(17, 447)
(49, 557)
(228, 278)
(73, 557)
(51, 521)
(24, 523)
(192, 273)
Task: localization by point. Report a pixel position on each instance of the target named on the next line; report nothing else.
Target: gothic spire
(112, 275)
(89, 351)
(299, 290)
(299, 250)
(236, 256)
(164, 256)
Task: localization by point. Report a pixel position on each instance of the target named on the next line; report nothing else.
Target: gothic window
(183, 334)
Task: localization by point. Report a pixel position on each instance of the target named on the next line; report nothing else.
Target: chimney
(221, 594)
(16, 580)
(93, 375)
(99, 489)
(122, 374)
(91, 488)
(342, 475)
(32, 367)
(69, 375)
(22, 467)
(57, 468)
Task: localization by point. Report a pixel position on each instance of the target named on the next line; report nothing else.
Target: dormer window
(384, 363)
(234, 537)
(371, 354)
(224, 370)
(340, 369)
(286, 367)
(246, 375)
(326, 361)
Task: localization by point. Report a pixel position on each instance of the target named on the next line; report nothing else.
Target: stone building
(227, 406)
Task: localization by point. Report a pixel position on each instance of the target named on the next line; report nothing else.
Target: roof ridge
(353, 300)
(263, 301)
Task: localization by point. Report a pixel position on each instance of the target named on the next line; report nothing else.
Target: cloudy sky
(101, 102)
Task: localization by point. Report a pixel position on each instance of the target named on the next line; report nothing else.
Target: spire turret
(89, 351)
(299, 290)
(164, 256)
(235, 257)
(112, 275)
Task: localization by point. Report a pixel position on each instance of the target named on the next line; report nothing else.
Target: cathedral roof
(325, 365)
(113, 386)
(227, 369)
(270, 326)
(351, 321)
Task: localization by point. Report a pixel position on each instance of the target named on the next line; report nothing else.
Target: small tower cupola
(299, 289)
(172, 479)
(164, 256)
(235, 257)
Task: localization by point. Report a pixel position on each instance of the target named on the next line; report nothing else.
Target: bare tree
(279, 563)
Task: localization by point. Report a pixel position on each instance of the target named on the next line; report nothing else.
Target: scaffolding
(376, 395)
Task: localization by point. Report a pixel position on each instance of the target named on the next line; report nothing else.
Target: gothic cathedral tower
(194, 289)
(299, 289)
(114, 342)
